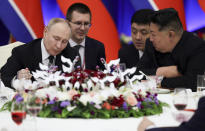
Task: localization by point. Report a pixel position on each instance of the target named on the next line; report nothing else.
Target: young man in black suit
(171, 52)
(131, 54)
(26, 58)
(196, 123)
(90, 50)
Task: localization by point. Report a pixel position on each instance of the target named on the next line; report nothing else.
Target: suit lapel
(37, 54)
(87, 50)
(135, 53)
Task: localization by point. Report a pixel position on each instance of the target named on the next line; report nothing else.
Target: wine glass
(34, 105)
(3, 95)
(18, 112)
(200, 85)
(180, 98)
(122, 67)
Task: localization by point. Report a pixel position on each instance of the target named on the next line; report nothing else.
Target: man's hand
(144, 124)
(24, 73)
(168, 71)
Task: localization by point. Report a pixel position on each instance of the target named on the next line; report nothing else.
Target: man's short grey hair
(54, 21)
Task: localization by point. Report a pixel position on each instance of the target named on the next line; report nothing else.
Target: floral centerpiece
(89, 94)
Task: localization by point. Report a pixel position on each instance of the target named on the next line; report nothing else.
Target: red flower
(139, 98)
(61, 82)
(117, 101)
(75, 97)
(106, 105)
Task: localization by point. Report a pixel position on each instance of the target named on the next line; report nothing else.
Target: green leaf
(6, 106)
(64, 113)
(86, 115)
(57, 115)
(104, 114)
(45, 113)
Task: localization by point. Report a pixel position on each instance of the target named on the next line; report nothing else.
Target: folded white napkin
(182, 116)
(6, 92)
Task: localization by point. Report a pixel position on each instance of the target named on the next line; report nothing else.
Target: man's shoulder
(192, 38)
(192, 42)
(128, 48)
(27, 46)
(93, 41)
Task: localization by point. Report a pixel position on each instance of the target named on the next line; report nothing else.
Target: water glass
(33, 106)
(200, 85)
(180, 98)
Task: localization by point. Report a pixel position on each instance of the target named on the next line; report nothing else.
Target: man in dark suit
(90, 50)
(196, 123)
(171, 52)
(26, 58)
(130, 54)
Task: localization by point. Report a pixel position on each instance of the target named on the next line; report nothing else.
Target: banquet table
(117, 124)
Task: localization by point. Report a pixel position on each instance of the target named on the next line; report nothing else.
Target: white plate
(161, 91)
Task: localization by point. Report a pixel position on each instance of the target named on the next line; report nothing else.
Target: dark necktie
(51, 60)
(77, 48)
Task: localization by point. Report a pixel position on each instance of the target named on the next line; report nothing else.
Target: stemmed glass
(122, 67)
(3, 96)
(18, 112)
(180, 99)
(34, 105)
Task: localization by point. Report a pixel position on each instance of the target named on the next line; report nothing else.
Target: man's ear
(45, 31)
(171, 34)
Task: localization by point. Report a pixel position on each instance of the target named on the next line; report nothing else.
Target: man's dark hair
(79, 7)
(167, 19)
(142, 17)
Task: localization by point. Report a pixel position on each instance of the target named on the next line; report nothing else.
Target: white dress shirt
(140, 53)
(45, 55)
(81, 50)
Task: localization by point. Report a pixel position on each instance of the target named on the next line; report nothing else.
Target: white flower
(95, 79)
(40, 75)
(84, 85)
(70, 108)
(90, 84)
(31, 86)
(135, 108)
(77, 85)
(42, 93)
(19, 84)
(62, 96)
(98, 99)
(68, 61)
(127, 92)
(43, 67)
(113, 90)
(98, 106)
(51, 92)
(68, 85)
(85, 99)
(101, 95)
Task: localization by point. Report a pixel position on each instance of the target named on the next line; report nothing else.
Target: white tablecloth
(125, 124)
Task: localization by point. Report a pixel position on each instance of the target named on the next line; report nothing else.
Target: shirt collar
(73, 43)
(44, 52)
(140, 53)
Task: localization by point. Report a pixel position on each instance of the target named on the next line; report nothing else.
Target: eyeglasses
(79, 24)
